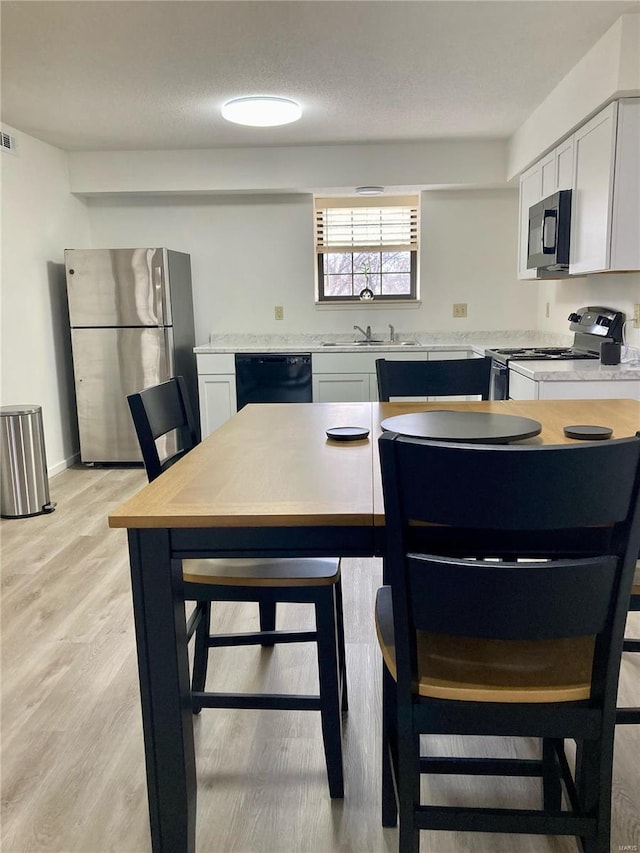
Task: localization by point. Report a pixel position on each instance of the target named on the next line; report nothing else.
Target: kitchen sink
(372, 343)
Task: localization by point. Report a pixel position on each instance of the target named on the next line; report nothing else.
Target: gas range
(592, 326)
(539, 353)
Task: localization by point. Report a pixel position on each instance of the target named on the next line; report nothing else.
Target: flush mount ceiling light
(369, 190)
(261, 111)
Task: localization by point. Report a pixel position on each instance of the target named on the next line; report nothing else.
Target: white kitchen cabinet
(524, 388)
(340, 377)
(342, 388)
(605, 212)
(216, 389)
(530, 194)
(551, 173)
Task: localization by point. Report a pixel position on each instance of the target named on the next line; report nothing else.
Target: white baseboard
(62, 466)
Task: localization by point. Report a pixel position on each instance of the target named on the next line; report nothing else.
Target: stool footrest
(258, 701)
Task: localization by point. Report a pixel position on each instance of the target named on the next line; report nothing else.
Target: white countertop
(540, 371)
(476, 341)
(581, 370)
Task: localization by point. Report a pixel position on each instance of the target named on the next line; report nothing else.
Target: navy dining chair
(163, 412)
(446, 378)
(503, 614)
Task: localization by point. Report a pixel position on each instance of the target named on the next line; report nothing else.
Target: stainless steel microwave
(549, 232)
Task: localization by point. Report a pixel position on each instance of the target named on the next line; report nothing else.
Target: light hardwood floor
(72, 758)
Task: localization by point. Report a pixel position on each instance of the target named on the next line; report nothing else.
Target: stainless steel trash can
(24, 484)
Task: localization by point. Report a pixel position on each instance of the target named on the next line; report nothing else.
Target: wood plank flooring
(72, 758)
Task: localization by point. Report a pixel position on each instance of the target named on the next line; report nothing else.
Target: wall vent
(7, 142)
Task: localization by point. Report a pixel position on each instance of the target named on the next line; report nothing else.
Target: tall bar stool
(158, 412)
(446, 378)
(504, 615)
(631, 715)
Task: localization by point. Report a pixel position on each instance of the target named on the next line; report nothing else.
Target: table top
(272, 464)
(470, 427)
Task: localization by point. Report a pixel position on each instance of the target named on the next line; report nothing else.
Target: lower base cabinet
(343, 388)
(338, 377)
(524, 388)
(216, 389)
(345, 377)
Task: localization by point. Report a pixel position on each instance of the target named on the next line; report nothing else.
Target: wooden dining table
(267, 483)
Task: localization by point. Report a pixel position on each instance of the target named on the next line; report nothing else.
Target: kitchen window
(367, 250)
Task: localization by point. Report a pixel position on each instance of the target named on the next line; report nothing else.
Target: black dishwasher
(273, 377)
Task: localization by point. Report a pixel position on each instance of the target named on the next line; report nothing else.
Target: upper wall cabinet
(600, 162)
(605, 215)
(552, 173)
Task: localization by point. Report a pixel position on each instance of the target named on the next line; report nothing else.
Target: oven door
(499, 388)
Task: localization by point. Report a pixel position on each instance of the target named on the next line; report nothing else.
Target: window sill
(405, 304)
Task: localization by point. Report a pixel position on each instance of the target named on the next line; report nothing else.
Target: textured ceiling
(149, 74)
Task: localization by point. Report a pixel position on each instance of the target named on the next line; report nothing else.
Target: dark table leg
(163, 667)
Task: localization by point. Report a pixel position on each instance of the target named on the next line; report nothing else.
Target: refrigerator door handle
(159, 295)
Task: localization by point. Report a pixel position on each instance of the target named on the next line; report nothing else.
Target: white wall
(609, 70)
(305, 168)
(40, 218)
(251, 253)
(620, 291)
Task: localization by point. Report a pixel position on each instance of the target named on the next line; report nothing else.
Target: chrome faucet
(392, 333)
(366, 334)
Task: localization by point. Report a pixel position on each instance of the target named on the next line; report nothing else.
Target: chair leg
(408, 781)
(594, 765)
(201, 652)
(267, 619)
(551, 784)
(389, 803)
(331, 717)
(342, 657)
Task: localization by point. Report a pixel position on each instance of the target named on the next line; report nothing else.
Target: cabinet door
(530, 193)
(564, 165)
(521, 387)
(342, 388)
(217, 400)
(588, 390)
(594, 151)
(625, 225)
(549, 177)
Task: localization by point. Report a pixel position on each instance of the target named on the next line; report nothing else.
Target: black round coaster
(588, 433)
(347, 433)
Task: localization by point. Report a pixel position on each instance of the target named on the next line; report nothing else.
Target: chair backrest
(461, 376)
(160, 410)
(567, 518)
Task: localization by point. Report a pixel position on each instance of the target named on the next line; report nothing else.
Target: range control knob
(575, 318)
(603, 321)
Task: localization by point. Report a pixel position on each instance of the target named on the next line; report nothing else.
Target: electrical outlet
(279, 312)
(636, 316)
(460, 309)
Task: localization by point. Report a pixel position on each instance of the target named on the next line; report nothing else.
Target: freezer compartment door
(117, 287)
(109, 364)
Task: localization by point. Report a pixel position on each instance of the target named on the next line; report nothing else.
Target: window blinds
(354, 224)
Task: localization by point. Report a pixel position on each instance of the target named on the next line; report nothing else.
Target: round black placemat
(588, 433)
(347, 433)
(470, 427)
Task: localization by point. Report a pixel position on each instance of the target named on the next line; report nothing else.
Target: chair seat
(476, 670)
(266, 573)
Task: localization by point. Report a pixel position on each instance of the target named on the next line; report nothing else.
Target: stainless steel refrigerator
(131, 313)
